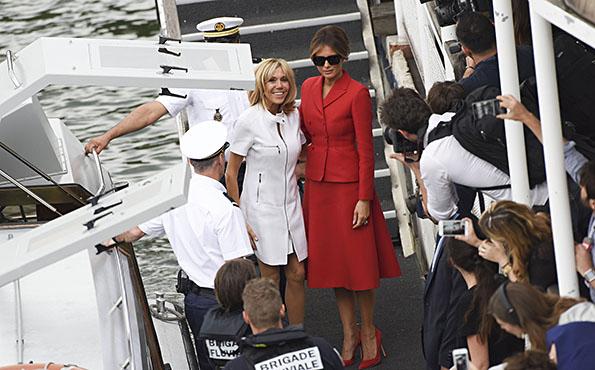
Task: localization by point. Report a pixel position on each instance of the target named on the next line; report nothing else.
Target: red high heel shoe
(379, 350)
(351, 361)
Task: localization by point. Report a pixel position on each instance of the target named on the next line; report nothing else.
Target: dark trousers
(196, 307)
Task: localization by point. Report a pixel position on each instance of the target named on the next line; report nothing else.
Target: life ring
(41, 366)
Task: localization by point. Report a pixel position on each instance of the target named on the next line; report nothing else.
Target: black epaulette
(230, 199)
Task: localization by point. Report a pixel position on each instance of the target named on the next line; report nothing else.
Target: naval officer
(205, 232)
(223, 106)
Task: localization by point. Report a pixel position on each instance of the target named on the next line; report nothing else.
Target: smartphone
(490, 107)
(460, 358)
(452, 227)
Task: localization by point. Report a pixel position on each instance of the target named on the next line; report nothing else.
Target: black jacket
(289, 346)
(444, 287)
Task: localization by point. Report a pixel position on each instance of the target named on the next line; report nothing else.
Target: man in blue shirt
(477, 36)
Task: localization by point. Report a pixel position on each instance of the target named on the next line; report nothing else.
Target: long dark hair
(532, 310)
(333, 36)
(465, 257)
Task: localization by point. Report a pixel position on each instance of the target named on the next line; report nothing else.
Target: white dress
(270, 199)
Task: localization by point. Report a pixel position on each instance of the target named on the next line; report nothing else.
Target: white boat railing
(543, 14)
(509, 85)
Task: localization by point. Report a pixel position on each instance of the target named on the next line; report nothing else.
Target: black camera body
(400, 143)
(448, 10)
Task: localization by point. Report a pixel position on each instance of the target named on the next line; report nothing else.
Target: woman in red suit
(349, 246)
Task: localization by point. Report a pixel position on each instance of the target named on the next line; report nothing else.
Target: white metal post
(509, 82)
(401, 33)
(549, 109)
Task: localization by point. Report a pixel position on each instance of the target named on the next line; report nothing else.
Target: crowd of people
(491, 290)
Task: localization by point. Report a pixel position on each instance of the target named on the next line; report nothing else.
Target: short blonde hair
(262, 303)
(263, 72)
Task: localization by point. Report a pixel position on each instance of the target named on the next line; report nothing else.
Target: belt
(201, 291)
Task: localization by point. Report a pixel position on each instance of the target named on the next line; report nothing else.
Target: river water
(90, 111)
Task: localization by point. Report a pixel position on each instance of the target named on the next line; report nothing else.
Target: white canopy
(74, 61)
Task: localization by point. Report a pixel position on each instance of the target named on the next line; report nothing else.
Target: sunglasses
(332, 60)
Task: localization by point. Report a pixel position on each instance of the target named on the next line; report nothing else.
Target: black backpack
(486, 137)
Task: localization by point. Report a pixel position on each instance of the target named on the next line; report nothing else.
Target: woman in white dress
(268, 136)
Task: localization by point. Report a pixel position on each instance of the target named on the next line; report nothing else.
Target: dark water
(90, 111)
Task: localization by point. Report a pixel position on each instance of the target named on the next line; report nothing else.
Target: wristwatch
(589, 276)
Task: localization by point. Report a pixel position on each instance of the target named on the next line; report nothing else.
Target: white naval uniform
(205, 232)
(270, 198)
(203, 104)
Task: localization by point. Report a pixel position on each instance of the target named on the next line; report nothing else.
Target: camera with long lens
(447, 11)
(409, 149)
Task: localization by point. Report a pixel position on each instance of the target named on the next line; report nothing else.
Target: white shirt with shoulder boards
(204, 105)
(444, 163)
(270, 198)
(205, 232)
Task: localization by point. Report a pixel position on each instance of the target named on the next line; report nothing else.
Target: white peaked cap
(220, 27)
(203, 140)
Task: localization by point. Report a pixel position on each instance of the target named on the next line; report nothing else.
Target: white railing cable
(16, 183)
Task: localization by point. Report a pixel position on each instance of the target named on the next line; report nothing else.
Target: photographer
(443, 162)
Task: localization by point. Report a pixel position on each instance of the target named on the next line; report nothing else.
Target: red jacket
(339, 133)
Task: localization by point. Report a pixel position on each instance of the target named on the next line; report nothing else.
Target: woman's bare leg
(366, 300)
(268, 271)
(295, 291)
(346, 305)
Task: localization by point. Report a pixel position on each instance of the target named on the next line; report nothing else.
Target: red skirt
(339, 256)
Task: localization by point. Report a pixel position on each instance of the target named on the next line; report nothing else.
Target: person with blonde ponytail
(520, 241)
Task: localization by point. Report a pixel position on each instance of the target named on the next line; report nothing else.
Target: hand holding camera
(460, 357)
(516, 110)
(401, 145)
(452, 228)
(490, 107)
